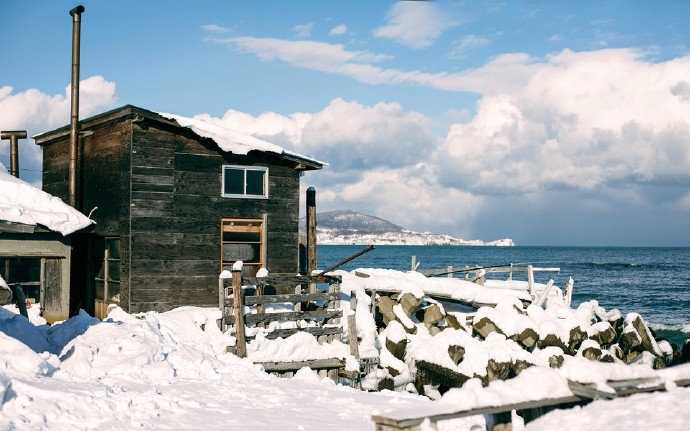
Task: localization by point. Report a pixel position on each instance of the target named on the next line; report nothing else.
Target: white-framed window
(245, 182)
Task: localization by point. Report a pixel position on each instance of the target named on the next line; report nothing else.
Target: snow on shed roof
(227, 140)
(232, 141)
(20, 202)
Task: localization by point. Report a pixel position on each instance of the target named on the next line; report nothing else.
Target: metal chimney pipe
(13, 135)
(74, 117)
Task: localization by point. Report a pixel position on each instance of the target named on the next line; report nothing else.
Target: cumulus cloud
(582, 121)
(413, 24)
(37, 112)
(600, 133)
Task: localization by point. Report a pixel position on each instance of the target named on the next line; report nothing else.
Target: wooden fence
(300, 300)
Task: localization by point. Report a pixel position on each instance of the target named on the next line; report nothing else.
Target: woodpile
(508, 338)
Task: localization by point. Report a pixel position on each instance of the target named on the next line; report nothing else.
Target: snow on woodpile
(157, 370)
(427, 343)
(20, 202)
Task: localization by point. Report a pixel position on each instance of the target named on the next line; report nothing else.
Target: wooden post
(311, 234)
(238, 306)
(352, 326)
(259, 308)
(530, 280)
(311, 230)
(221, 303)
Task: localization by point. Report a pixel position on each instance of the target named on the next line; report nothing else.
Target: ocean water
(654, 282)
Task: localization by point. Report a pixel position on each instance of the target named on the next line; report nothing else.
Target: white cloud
(581, 121)
(37, 112)
(413, 24)
(409, 196)
(214, 28)
(303, 30)
(502, 73)
(592, 132)
(338, 29)
(468, 43)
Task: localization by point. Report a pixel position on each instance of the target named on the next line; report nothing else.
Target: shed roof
(226, 139)
(23, 206)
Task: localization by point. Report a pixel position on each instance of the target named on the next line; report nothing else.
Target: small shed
(35, 243)
(175, 201)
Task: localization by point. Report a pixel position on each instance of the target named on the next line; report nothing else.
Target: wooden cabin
(175, 201)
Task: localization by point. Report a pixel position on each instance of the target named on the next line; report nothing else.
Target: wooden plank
(316, 364)
(404, 419)
(292, 315)
(316, 331)
(293, 298)
(589, 391)
(278, 279)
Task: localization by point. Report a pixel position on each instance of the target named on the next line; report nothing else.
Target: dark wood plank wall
(158, 187)
(176, 210)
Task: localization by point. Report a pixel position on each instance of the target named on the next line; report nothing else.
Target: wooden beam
(316, 364)
(273, 299)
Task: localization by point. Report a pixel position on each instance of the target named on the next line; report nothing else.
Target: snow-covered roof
(228, 140)
(20, 202)
(233, 141)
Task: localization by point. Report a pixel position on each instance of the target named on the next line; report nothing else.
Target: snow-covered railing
(278, 306)
(477, 273)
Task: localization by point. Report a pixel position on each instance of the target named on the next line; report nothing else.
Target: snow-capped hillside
(351, 227)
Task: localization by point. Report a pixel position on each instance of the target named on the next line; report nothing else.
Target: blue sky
(552, 123)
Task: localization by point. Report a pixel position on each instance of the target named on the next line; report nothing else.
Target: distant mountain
(350, 227)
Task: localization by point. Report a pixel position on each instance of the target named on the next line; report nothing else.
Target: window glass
(107, 280)
(113, 270)
(234, 182)
(100, 290)
(114, 292)
(255, 182)
(113, 245)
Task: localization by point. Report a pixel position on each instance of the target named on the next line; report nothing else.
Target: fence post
(221, 303)
(530, 280)
(352, 326)
(238, 307)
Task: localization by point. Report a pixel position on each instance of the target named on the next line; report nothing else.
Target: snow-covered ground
(162, 371)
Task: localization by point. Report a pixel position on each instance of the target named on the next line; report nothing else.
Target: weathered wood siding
(176, 209)
(157, 187)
